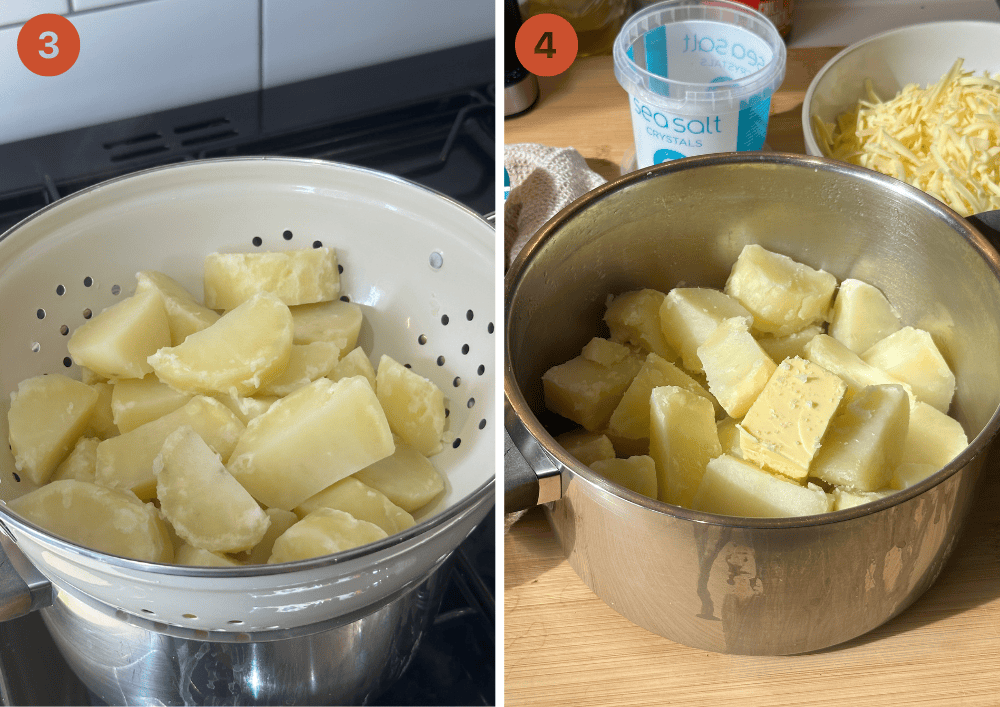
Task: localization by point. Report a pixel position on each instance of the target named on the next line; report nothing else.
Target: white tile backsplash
(20, 11)
(134, 59)
(303, 39)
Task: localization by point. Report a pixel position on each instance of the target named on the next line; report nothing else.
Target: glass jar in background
(596, 22)
(778, 11)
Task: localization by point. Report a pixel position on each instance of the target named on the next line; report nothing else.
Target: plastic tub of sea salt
(699, 75)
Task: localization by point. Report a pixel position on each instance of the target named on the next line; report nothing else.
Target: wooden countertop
(563, 645)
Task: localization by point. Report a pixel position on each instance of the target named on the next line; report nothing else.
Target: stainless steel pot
(738, 585)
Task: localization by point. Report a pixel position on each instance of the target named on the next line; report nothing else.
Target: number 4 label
(48, 45)
(546, 44)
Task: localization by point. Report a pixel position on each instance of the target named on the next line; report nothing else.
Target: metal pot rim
(525, 417)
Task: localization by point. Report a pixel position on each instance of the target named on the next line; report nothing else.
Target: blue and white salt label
(699, 122)
(506, 184)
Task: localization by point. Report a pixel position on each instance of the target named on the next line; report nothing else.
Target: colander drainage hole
(287, 235)
(440, 360)
(456, 443)
(148, 611)
(447, 412)
(469, 315)
(457, 382)
(482, 424)
(35, 347)
(64, 330)
(436, 260)
(318, 244)
(87, 314)
(116, 289)
(471, 403)
(444, 319)
(489, 328)
(60, 290)
(465, 349)
(481, 370)
(17, 478)
(189, 616)
(40, 314)
(421, 339)
(67, 362)
(234, 622)
(340, 268)
(257, 241)
(345, 298)
(88, 281)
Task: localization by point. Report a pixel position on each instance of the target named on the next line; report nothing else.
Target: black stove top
(429, 119)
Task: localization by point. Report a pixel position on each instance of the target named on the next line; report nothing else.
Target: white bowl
(919, 54)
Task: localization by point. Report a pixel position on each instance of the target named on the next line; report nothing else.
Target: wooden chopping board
(564, 646)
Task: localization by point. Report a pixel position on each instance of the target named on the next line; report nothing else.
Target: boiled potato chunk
(335, 321)
(586, 446)
(196, 556)
(588, 388)
(323, 532)
(361, 501)
(784, 428)
(911, 356)
(126, 461)
(81, 464)
(634, 318)
(413, 405)
(280, 522)
(311, 439)
(185, 315)
(406, 477)
(631, 418)
(736, 366)
(729, 437)
(909, 473)
(295, 277)
(683, 439)
(306, 363)
(689, 315)
(247, 407)
(734, 487)
(635, 473)
(783, 295)
(933, 437)
(827, 352)
(203, 502)
(117, 342)
(97, 517)
(102, 420)
(849, 498)
(861, 316)
(244, 350)
(136, 401)
(781, 347)
(865, 440)
(355, 363)
(47, 415)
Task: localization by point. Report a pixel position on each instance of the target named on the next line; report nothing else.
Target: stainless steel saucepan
(741, 585)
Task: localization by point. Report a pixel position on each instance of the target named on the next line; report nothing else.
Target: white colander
(420, 265)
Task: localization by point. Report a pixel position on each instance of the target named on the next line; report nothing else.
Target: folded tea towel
(542, 181)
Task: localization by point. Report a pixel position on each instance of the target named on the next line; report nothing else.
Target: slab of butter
(783, 428)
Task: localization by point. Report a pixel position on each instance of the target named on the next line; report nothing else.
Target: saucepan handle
(988, 223)
(531, 476)
(23, 588)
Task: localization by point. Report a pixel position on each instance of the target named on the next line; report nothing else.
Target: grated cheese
(943, 139)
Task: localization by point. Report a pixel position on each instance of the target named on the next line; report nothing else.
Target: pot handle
(988, 223)
(23, 588)
(531, 477)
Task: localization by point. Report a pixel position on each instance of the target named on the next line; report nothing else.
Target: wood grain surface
(564, 646)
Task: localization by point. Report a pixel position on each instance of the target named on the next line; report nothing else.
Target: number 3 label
(546, 44)
(48, 45)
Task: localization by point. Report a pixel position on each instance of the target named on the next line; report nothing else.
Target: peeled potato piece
(117, 342)
(736, 366)
(636, 473)
(102, 419)
(81, 462)
(97, 517)
(203, 502)
(47, 415)
(323, 532)
(126, 461)
(136, 401)
(683, 437)
(634, 318)
(280, 522)
(185, 315)
(733, 487)
(309, 440)
(247, 348)
(406, 477)
(355, 363)
(911, 356)
(189, 555)
(306, 363)
(335, 321)
(689, 314)
(295, 277)
(413, 405)
(586, 446)
(361, 501)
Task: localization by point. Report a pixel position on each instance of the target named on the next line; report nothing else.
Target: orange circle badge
(48, 45)
(546, 44)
